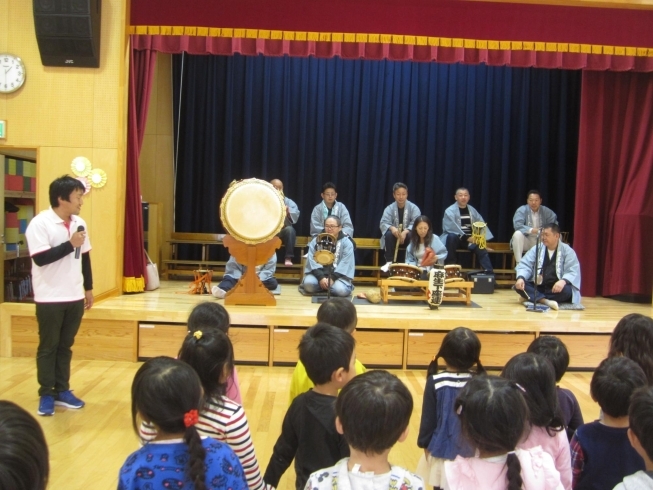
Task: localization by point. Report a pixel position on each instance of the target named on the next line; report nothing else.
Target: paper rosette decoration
(81, 166)
(97, 177)
(87, 184)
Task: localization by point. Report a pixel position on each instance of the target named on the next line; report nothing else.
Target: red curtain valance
(517, 54)
(447, 19)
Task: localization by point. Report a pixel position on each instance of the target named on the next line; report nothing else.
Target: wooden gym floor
(87, 447)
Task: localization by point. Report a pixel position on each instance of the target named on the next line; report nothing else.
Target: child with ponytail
(536, 375)
(210, 353)
(494, 416)
(439, 431)
(167, 394)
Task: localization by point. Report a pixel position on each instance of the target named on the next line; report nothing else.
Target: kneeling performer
(338, 276)
(233, 271)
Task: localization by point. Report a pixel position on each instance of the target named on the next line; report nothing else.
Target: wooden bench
(365, 273)
(178, 267)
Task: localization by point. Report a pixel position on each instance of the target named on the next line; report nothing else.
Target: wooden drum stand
(250, 290)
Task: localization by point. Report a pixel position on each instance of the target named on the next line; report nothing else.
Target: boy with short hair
(341, 313)
(556, 351)
(640, 434)
(601, 455)
(308, 434)
(373, 412)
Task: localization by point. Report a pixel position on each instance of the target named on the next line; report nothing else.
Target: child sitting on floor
(535, 374)
(439, 429)
(214, 315)
(308, 434)
(493, 417)
(372, 412)
(167, 394)
(341, 313)
(601, 453)
(640, 434)
(556, 352)
(210, 353)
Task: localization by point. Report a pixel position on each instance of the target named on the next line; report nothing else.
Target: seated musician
(338, 276)
(558, 268)
(457, 230)
(527, 221)
(288, 235)
(233, 271)
(401, 212)
(424, 243)
(330, 207)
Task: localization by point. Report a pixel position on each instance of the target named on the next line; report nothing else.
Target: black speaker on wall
(68, 32)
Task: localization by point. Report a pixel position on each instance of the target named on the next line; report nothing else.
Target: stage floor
(500, 311)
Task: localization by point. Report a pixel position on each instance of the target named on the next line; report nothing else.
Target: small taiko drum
(325, 249)
(453, 273)
(252, 211)
(405, 271)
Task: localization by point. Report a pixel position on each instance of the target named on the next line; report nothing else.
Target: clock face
(12, 73)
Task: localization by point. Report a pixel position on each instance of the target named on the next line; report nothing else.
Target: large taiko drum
(405, 271)
(252, 211)
(325, 249)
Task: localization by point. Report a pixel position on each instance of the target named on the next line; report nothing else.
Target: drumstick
(397, 244)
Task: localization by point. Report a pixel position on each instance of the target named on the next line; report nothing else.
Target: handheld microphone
(78, 249)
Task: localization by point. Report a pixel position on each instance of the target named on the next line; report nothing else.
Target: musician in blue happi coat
(457, 230)
(558, 271)
(340, 275)
(288, 235)
(233, 271)
(527, 221)
(330, 207)
(401, 212)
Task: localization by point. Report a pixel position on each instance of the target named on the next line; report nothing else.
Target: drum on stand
(405, 271)
(453, 273)
(253, 212)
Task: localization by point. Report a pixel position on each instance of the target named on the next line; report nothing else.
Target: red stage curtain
(613, 228)
(397, 52)
(141, 70)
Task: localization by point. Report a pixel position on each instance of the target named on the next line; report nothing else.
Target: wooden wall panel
(65, 112)
(422, 347)
(251, 344)
(379, 348)
(585, 351)
(156, 159)
(160, 340)
(498, 348)
(285, 342)
(113, 340)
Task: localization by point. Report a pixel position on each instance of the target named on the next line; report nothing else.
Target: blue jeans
(453, 242)
(340, 287)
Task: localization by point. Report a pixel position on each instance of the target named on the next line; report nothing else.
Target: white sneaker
(220, 293)
(551, 304)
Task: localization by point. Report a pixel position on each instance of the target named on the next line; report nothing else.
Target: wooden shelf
(11, 255)
(21, 194)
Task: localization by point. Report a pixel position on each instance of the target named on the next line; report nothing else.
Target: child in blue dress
(167, 394)
(439, 432)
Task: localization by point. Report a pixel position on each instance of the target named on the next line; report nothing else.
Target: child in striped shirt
(210, 353)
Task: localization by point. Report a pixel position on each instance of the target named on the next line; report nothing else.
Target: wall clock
(12, 73)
